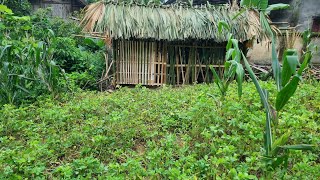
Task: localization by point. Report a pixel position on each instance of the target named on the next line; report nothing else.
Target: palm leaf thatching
(169, 22)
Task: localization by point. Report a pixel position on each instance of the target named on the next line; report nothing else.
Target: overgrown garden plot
(175, 133)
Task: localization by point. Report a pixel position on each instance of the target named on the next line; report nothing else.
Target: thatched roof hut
(157, 44)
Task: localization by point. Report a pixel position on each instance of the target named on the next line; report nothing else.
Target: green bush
(36, 52)
(19, 7)
(76, 55)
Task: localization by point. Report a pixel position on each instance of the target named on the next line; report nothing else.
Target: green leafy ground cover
(170, 133)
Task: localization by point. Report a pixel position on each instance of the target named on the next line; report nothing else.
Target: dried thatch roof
(173, 22)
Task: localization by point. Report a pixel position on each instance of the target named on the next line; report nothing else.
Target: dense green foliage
(37, 50)
(20, 7)
(81, 58)
(165, 133)
(27, 68)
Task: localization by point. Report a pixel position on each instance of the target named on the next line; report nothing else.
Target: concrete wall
(307, 10)
(260, 53)
(300, 15)
(60, 8)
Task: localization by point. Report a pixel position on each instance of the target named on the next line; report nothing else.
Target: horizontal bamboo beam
(196, 65)
(205, 47)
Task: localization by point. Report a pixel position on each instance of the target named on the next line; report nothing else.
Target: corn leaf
(240, 76)
(303, 147)
(263, 96)
(280, 142)
(277, 6)
(287, 92)
(217, 79)
(276, 67)
(306, 61)
(289, 67)
(223, 24)
(280, 160)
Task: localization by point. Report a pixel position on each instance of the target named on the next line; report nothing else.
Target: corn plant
(232, 67)
(288, 77)
(26, 65)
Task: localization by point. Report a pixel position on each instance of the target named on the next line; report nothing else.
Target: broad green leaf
(5, 9)
(290, 63)
(22, 18)
(276, 66)
(278, 6)
(305, 63)
(287, 92)
(259, 4)
(217, 79)
(223, 24)
(263, 96)
(263, 4)
(268, 129)
(266, 26)
(229, 44)
(249, 3)
(235, 43)
(280, 160)
(256, 83)
(240, 76)
(303, 147)
(229, 53)
(280, 142)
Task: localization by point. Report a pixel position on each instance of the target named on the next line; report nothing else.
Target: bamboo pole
(193, 72)
(143, 62)
(177, 67)
(115, 53)
(188, 69)
(158, 63)
(182, 71)
(154, 50)
(130, 62)
(164, 63)
(149, 65)
(146, 53)
(125, 61)
(140, 61)
(135, 62)
(121, 54)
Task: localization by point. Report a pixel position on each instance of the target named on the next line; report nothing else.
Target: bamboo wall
(156, 62)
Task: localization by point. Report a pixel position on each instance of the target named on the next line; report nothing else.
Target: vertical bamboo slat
(177, 65)
(115, 54)
(137, 62)
(164, 62)
(121, 61)
(145, 72)
(125, 62)
(142, 62)
(130, 62)
(157, 64)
